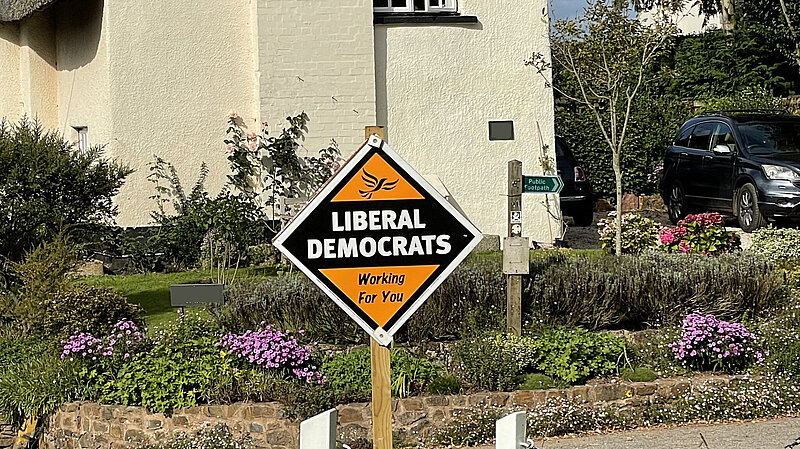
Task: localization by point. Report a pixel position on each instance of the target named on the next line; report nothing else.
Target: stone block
(99, 426)
(555, 394)
(181, 421)
(280, 437)
(680, 388)
(134, 436)
(214, 411)
(580, 394)
(409, 418)
(348, 414)
(457, 400)
(645, 388)
(478, 399)
(154, 424)
(437, 401)
(116, 431)
(499, 399)
(608, 392)
(523, 398)
(106, 412)
(412, 405)
(255, 428)
(71, 407)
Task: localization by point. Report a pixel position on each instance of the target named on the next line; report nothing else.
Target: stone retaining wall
(89, 425)
(7, 435)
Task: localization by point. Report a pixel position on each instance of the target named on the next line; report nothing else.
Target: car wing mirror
(722, 150)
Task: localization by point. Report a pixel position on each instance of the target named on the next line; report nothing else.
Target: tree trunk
(727, 12)
(618, 218)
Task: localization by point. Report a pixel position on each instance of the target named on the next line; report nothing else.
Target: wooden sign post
(380, 363)
(515, 248)
(378, 239)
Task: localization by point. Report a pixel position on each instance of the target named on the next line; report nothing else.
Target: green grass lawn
(151, 290)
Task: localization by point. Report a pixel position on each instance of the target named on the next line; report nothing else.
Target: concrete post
(319, 432)
(511, 431)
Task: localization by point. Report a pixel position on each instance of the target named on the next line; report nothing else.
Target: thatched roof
(11, 10)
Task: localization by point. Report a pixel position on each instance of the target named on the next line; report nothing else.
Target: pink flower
(684, 247)
(229, 148)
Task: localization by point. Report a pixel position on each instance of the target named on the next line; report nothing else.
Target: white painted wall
(84, 92)
(317, 56)
(439, 85)
(689, 20)
(10, 98)
(176, 70)
(38, 69)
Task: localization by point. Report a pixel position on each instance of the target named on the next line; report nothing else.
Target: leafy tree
(47, 185)
(605, 60)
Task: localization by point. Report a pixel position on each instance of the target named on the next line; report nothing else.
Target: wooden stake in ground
(381, 370)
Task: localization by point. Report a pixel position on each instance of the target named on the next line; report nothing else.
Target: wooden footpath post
(514, 281)
(381, 370)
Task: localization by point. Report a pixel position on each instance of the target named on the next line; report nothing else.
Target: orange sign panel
(377, 180)
(378, 239)
(380, 292)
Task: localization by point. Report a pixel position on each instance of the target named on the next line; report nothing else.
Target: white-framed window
(415, 5)
(83, 138)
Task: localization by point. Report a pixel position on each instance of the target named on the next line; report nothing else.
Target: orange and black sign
(378, 239)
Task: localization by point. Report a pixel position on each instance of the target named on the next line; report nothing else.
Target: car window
(701, 136)
(683, 137)
(723, 136)
(771, 137)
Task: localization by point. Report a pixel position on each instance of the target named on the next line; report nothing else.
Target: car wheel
(676, 203)
(584, 217)
(748, 213)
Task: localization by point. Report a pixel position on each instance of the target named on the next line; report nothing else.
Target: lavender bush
(708, 343)
(272, 348)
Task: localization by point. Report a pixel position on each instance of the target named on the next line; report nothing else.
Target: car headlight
(780, 172)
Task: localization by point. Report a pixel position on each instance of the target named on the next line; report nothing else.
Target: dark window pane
(380, 3)
(683, 138)
(701, 137)
(501, 130)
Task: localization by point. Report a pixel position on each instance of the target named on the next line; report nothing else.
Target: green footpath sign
(542, 184)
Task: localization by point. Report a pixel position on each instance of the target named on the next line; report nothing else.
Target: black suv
(577, 200)
(740, 163)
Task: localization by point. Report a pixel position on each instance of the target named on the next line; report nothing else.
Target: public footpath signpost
(378, 239)
(516, 252)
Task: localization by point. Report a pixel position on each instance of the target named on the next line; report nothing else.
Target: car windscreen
(771, 137)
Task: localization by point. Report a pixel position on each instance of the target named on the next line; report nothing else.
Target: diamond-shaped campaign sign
(378, 239)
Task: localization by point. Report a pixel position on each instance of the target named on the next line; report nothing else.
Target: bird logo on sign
(375, 185)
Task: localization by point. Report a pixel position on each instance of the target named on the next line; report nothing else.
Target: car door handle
(684, 154)
(708, 157)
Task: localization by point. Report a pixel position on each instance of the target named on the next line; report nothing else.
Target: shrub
(183, 365)
(469, 299)
(445, 384)
(42, 274)
(701, 233)
(289, 302)
(86, 308)
(638, 233)
(779, 245)
(708, 343)
(46, 185)
(217, 437)
(648, 289)
(536, 381)
(487, 362)
(35, 385)
(573, 355)
(351, 371)
(639, 374)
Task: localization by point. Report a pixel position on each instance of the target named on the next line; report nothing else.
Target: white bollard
(510, 431)
(319, 432)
